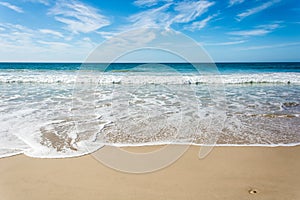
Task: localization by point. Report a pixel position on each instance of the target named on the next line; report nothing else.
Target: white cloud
(257, 9)
(258, 31)
(78, 17)
(149, 3)
(12, 7)
(15, 35)
(190, 10)
(269, 26)
(271, 46)
(106, 34)
(235, 2)
(19, 43)
(171, 13)
(225, 43)
(45, 2)
(54, 44)
(197, 25)
(151, 17)
(16, 28)
(51, 32)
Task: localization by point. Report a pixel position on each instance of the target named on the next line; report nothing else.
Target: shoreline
(158, 145)
(226, 173)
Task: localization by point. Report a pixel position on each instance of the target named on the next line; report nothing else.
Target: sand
(226, 173)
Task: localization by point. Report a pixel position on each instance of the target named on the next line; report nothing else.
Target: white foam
(30, 111)
(196, 144)
(136, 78)
(45, 153)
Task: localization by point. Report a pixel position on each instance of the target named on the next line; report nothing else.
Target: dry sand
(227, 173)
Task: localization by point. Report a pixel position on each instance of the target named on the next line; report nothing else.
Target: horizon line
(78, 62)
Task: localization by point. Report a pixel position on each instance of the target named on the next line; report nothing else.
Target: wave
(124, 78)
(47, 118)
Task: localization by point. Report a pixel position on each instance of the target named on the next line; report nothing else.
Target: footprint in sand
(253, 191)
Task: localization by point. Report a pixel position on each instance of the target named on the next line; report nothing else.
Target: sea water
(68, 109)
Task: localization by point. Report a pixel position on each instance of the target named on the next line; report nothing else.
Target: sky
(229, 30)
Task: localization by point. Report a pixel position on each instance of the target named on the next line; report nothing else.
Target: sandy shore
(227, 173)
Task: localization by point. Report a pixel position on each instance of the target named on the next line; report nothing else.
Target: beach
(149, 100)
(226, 173)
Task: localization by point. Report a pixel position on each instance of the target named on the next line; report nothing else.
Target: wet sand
(226, 173)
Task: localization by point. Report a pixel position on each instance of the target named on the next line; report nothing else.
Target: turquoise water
(224, 68)
(66, 110)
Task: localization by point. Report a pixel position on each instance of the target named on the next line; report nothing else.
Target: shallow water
(65, 112)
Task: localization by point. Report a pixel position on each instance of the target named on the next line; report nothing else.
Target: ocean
(56, 110)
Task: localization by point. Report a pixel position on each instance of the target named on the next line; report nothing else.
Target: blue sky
(229, 30)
